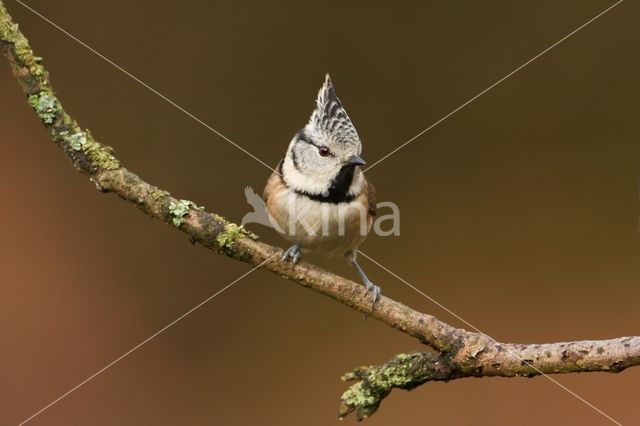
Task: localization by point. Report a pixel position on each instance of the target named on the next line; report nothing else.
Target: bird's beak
(355, 160)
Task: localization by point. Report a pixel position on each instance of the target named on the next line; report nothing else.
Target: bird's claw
(374, 289)
(292, 253)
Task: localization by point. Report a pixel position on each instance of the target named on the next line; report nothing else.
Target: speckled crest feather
(330, 117)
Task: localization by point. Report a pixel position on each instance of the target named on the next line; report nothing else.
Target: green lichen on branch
(98, 154)
(232, 232)
(157, 194)
(9, 33)
(403, 371)
(77, 141)
(180, 210)
(41, 97)
(7, 28)
(46, 106)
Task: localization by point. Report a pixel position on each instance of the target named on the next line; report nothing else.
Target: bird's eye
(324, 151)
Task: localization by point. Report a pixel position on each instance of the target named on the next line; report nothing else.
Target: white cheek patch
(313, 184)
(317, 183)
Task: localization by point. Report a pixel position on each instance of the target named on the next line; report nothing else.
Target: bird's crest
(330, 117)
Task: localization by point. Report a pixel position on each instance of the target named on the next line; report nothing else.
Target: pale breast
(333, 228)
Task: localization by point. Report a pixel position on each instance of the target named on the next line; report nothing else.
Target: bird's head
(326, 150)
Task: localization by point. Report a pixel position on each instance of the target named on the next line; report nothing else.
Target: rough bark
(478, 355)
(453, 353)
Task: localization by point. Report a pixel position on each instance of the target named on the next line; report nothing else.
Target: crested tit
(318, 198)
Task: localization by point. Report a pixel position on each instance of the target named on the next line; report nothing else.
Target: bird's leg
(374, 289)
(292, 252)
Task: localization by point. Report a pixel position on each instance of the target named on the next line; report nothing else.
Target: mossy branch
(480, 356)
(453, 353)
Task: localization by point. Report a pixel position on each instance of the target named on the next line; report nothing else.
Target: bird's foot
(371, 287)
(292, 253)
(374, 289)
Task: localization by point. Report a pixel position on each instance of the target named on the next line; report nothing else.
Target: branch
(480, 356)
(454, 352)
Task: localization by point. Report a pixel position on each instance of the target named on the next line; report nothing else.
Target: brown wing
(275, 180)
(370, 191)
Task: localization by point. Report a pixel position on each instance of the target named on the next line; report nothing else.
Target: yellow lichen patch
(231, 233)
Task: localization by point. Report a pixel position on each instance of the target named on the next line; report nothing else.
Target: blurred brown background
(519, 212)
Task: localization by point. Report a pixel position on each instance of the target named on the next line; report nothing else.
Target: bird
(318, 197)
